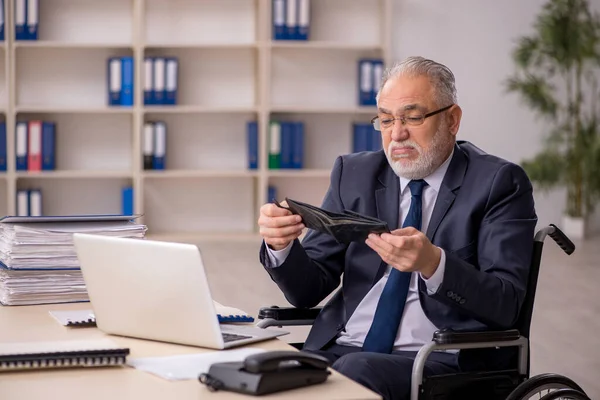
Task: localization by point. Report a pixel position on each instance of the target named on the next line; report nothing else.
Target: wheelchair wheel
(545, 385)
(570, 394)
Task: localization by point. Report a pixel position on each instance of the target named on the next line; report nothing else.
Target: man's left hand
(407, 250)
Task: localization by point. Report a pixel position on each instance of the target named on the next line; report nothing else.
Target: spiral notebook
(61, 354)
(85, 318)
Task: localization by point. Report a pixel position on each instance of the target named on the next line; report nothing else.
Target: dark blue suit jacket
(484, 219)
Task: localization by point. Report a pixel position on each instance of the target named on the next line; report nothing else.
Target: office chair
(510, 384)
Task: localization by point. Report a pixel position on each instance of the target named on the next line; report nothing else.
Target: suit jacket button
(462, 301)
(449, 293)
(340, 327)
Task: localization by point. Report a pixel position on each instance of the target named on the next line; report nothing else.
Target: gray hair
(440, 76)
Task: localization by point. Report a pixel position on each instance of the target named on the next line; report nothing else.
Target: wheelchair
(508, 384)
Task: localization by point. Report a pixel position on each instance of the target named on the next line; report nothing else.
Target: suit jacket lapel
(452, 181)
(388, 208)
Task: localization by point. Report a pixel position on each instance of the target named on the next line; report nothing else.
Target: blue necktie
(382, 334)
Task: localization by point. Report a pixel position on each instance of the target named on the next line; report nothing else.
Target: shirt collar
(434, 180)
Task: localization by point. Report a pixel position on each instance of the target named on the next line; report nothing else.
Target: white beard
(426, 162)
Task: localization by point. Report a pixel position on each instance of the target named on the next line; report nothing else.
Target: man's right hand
(278, 226)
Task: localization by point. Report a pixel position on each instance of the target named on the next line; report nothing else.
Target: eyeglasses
(412, 118)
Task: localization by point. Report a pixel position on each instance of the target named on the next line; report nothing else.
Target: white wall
(474, 38)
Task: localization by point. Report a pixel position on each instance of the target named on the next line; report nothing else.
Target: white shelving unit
(230, 72)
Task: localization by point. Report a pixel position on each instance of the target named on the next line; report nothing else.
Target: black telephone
(268, 372)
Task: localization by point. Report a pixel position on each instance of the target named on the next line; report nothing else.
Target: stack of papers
(38, 262)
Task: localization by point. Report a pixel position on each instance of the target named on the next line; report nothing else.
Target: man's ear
(453, 116)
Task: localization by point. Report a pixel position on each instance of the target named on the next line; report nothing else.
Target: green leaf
(536, 92)
(546, 169)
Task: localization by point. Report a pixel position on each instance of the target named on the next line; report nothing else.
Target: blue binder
(114, 81)
(20, 19)
(127, 200)
(287, 137)
(21, 145)
(148, 80)
(23, 203)
(171, 80)
(2, 20)
(377, 75)
(35, 202)
(127, 81)
(159, 80)
(291, 20)
(160, 145)
(252, 142)
(271, 194)
(3, 149)
(361, 139)
(365, 82)
(376, 143)
(33, 16)
(278, 15)
(48, 146)
(303, 19)
(298, 146)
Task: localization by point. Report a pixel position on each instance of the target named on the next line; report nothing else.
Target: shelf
(302, 79)
(299, 173)
(78, 77)
(78, 196)
(200, 46)
(230, 72)
(323, 110)
(189, 205)
(167, 174)
(86, 21)
(149, 109)
(184, 21)
(48, 44)
(30, 109)
(323, 45)
(78, 174)
(214, 77)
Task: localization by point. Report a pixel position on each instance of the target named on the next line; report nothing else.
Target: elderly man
(462, 225)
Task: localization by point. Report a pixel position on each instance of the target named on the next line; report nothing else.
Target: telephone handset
(267, 372)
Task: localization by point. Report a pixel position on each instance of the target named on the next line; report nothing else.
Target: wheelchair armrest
(449, 336)
(286, 316)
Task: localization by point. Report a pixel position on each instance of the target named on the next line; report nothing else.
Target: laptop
(156, 290)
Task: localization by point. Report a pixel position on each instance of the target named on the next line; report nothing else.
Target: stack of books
(38, 262)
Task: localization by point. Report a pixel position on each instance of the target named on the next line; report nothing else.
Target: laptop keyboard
(230, 337)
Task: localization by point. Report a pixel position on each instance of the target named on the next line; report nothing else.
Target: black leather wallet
(345, 227)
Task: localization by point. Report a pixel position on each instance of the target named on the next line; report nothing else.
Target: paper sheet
(188, 366)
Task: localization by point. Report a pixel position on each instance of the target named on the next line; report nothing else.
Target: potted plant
(557, 72)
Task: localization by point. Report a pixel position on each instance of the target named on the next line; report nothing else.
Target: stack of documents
(38, 262)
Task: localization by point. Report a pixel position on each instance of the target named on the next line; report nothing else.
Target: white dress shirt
(415, 328)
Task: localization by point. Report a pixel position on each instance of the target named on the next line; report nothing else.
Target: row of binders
(154, 145)
(120, 81)
(286, 145)
(370, 73)
(35, 145)
(160, 81)
(29, 202)
(291, 19)
(27, 16)
(38, 262)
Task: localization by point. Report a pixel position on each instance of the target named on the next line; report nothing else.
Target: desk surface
(32, 323)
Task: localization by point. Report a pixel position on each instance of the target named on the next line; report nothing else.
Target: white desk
(30, 323)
